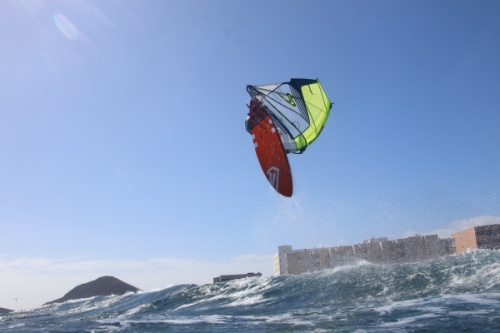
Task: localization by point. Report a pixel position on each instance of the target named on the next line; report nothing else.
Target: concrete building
(224, 278)
(480, 237)
(375, 250)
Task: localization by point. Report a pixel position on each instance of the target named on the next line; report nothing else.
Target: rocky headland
(103, 286)
(4, 311)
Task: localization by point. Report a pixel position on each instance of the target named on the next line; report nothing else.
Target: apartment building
(375, 250)
(480, 237)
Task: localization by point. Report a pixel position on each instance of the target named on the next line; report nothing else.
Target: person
(258, 112)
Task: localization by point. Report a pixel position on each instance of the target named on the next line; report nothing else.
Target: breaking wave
(453, 293)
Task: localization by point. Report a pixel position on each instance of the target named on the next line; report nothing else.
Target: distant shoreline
(4, 311)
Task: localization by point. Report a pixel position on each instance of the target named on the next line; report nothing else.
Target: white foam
(237, 292)
(17, 325)
(408, 320)
(397, 305)
(469, 313)
(286, 318)
(482, 299)
(248, 300)
(159, 319)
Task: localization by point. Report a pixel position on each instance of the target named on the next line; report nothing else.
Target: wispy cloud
(30, 282)
(460, 225)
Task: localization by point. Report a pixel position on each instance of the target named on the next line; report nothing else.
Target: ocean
(458, 293)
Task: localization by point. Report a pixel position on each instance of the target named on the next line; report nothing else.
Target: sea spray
(294, 222)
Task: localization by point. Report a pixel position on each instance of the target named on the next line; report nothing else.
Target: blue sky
(123, 150)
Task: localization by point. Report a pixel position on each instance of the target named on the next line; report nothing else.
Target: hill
(103, 286)
(4, 311)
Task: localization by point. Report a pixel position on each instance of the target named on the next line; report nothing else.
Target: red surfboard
(269, 148)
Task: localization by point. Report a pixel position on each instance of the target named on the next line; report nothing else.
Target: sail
(299, 108)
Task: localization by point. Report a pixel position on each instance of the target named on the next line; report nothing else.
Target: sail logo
(287, 98)
(273, 174)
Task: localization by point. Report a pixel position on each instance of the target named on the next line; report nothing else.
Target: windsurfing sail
(285, 117)
(299, 109)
